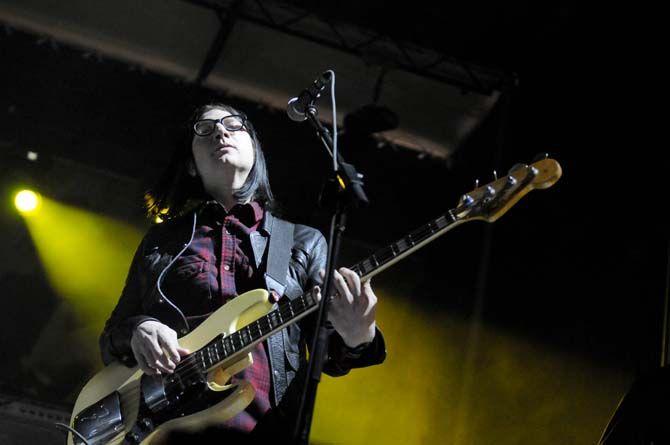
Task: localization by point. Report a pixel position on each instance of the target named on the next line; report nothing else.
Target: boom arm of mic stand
(347, 176)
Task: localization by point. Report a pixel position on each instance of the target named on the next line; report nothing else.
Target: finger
(369, 295)
(342, 287)
(161, 366)
(144, 365)
(183, 351)
(169, 345)
(352, 279)
(152, 350)
(155, 356)
(316, 293)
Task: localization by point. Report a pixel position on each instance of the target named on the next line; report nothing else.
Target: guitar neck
(407, 245)
(288, 312)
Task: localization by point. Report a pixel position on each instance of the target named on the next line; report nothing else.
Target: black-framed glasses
(233, 122)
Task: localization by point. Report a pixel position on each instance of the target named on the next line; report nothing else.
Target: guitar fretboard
(392, 253)
(222, 347)
(287, 312)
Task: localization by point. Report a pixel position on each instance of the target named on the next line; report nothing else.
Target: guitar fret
(216, 351)
(421, 233)
(286, 312)
(451, 215)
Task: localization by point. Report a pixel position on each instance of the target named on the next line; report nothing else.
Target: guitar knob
(490, 191)
(511, 180)
(467, 200)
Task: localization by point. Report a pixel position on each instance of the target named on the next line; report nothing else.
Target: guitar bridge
(99, 422)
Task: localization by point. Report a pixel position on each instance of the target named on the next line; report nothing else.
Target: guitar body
(112, 401)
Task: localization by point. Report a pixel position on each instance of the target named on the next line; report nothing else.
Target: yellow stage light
(26, 201)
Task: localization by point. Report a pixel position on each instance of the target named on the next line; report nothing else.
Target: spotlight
(26, 201)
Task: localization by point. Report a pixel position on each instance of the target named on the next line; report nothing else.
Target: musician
(217, 205)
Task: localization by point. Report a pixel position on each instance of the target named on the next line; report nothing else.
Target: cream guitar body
(122, 405)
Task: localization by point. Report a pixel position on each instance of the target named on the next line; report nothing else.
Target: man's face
(223, 151)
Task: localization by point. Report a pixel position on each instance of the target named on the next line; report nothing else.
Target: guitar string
(285, 311)
(191, 365)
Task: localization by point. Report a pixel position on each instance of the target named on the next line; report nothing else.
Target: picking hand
(156, 348)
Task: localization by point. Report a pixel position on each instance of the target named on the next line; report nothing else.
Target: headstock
(489, 202)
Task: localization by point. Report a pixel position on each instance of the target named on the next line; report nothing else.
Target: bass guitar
(122, 405)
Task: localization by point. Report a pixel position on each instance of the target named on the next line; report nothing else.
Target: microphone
(297, 106)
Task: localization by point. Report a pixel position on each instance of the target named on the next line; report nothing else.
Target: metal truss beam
(371, 46)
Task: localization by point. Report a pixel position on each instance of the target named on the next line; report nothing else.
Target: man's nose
(221, 130)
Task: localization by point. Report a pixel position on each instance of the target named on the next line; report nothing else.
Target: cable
(334, 106)
(160, 277)
(73, 431)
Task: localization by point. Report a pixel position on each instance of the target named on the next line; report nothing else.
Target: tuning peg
(476, 183)
(467, 200)
(518, 167)
(540, 157)
(495, 175)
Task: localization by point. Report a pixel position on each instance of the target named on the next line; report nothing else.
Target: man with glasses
(216, 201)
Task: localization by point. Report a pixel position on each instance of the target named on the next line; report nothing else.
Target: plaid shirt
(215, 268)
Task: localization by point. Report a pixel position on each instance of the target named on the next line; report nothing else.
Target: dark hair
(176, 191)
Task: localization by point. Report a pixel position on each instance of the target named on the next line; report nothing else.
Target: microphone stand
(343, 188)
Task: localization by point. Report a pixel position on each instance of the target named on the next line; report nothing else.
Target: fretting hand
(352, 308)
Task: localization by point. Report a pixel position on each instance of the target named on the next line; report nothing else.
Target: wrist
(361, 340)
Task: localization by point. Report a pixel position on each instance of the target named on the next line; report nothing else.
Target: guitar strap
(278, 256)
(279, 253)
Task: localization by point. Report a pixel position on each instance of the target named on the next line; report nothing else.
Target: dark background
(580, 267)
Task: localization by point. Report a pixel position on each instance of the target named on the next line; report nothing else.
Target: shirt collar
(249, 214)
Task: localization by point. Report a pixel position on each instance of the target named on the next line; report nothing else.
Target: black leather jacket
(140, 301)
